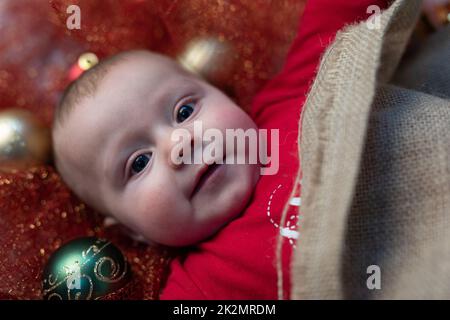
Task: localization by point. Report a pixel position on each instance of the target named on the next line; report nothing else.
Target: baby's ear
(113, 222)
(109, 221)
(137, 237)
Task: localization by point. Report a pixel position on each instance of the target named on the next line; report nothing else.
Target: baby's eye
(184, 112)
(140, 162)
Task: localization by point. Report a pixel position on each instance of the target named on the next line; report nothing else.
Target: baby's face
(115, 148)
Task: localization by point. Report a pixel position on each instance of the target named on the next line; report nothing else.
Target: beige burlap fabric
(375, 156)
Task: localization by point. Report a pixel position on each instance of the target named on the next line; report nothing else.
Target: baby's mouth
(204, 176)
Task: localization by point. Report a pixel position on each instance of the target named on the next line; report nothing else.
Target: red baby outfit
(239, 261)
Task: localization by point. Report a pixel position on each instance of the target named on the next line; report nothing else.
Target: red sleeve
(319, 24)
(180, 286)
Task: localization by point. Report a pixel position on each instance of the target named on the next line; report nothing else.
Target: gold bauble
(213, 59)
(24, 141)
(87, 60)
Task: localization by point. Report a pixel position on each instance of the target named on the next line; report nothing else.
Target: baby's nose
(181, 153)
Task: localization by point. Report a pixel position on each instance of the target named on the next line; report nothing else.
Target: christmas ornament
(213, 59)
(437, 12)
(24, 141)
(84, 269)
(38, 213)
(85, 61)
(443, 14)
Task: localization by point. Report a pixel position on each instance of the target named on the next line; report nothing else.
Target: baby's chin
(233, 200)
(212, 228)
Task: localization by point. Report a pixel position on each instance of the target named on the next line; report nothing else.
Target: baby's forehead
(142, 64)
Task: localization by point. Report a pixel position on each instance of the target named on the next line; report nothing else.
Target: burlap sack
(376, 167)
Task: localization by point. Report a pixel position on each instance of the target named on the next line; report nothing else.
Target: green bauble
(83, 269)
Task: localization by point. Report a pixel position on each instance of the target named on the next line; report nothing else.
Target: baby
(113, 143)
(113, 147)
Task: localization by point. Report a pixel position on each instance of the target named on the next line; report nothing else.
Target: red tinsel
(38, 214)
(37, 50)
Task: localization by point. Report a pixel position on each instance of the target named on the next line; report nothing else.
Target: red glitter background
(38, 213)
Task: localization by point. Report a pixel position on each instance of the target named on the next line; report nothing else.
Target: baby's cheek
(159, 207)
(232, 117)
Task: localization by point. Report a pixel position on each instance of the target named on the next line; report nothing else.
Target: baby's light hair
(85, 86)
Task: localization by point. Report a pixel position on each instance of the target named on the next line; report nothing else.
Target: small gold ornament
(87, 60)
(24, 141)
(443, 14)
(437, 12)
(213, 59)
